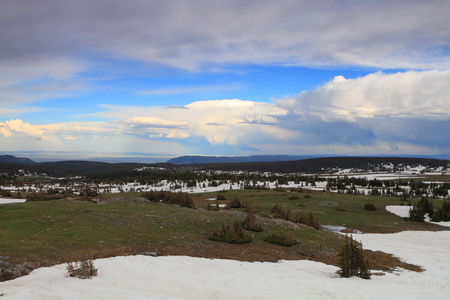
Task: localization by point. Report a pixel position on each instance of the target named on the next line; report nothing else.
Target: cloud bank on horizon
(225, 77)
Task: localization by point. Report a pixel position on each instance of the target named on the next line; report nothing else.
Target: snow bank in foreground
(181, 277)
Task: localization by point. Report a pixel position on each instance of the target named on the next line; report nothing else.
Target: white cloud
(362, 115)
(18, 128)
(421, 95)
(411, 107)
(379, 113)
(154, 122)
(218, 121)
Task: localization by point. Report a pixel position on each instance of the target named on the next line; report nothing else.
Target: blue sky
(95, 79)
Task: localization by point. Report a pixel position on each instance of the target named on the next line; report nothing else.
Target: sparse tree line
(395, 188)
(175, 179)
(425, 207)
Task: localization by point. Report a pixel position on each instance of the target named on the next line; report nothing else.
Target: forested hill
(330, 164)
(9, 159)
(15, 165)
(200, 159)
(85, 167)
(307, 166)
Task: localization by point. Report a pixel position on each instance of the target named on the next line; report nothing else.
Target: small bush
(250, 207)
(251, 223)
(286, 240)
(41, 196)
(308, 220)
(370, 207)
(231, 235)
(308, 196)
(84, 269)
(280, 213)
(293, 197)
(178, 198)
(235, 203)
(221, 197)
(5, 193)
(340, 209)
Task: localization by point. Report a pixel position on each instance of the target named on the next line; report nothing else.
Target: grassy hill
(45, 232)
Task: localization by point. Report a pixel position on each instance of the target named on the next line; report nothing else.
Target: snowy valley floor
(182, 277)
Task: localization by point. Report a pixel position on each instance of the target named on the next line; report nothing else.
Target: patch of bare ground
(387, 262)
(258, 251)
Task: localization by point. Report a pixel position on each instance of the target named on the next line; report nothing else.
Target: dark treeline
(346, 184)
(192, 177)
(330, 164)
(306, 166)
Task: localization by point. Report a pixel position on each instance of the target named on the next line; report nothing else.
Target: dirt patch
(252, 252)
(387, 262)
(257, 251)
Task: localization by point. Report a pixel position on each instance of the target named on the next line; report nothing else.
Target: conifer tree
(352, 261)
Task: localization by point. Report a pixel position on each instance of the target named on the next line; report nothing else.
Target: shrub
(286, 240)
(251, 223)
(280, 213)
(212, 207)
(308, 220)
(370, 207)
(84, 269)
(178, 198)
(308, 196)
(293, 197)
(250, 207)
(5, 193)
(221, 197)
(231, 235)
(41, 196)
(235, 203)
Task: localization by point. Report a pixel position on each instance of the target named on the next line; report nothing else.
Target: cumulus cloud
(411, 107)
(422, 95)
(397, 113)
(218, 121)
(18, 128)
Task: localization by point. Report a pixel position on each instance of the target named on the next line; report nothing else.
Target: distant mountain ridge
(275, 163)
(10, 159)
(200, 159)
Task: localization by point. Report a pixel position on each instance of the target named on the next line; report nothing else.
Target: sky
(160, 79)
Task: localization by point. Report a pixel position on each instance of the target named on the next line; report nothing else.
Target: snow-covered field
(181, 277)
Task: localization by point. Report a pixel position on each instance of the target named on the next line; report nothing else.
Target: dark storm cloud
(189, 34)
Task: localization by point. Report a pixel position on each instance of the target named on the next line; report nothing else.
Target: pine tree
(352, 261)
